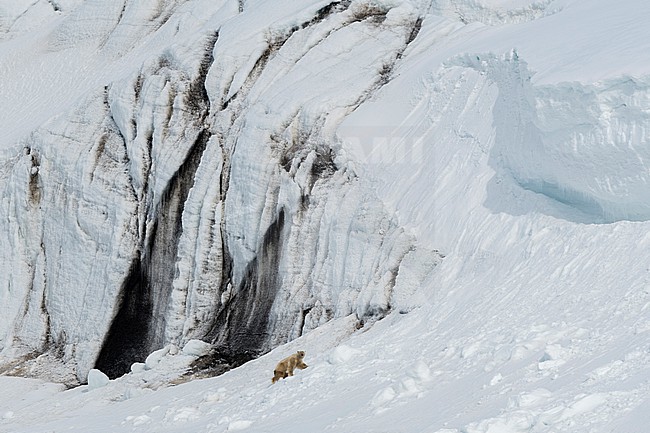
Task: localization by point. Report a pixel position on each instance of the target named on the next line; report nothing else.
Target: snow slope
(510, 136)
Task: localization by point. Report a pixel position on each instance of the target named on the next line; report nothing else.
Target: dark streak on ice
(127, 339)
(241, 329)
(139, 325)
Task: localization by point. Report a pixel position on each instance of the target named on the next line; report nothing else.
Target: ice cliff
(193, 187)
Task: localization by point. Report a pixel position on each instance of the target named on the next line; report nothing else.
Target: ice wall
(199, 192)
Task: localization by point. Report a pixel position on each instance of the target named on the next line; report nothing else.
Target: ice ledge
(581, 146)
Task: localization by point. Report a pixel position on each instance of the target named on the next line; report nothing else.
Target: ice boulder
(197, 348)
(97, 379)
(138, 367)
(155, 357)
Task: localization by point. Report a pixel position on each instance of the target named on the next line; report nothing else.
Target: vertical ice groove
(149, 284)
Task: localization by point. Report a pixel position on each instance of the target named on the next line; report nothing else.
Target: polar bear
(287, 365)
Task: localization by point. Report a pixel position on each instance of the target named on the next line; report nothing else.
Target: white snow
(502, 169)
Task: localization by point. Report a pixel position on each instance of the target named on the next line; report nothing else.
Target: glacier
(444, 204)
(200, 192)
